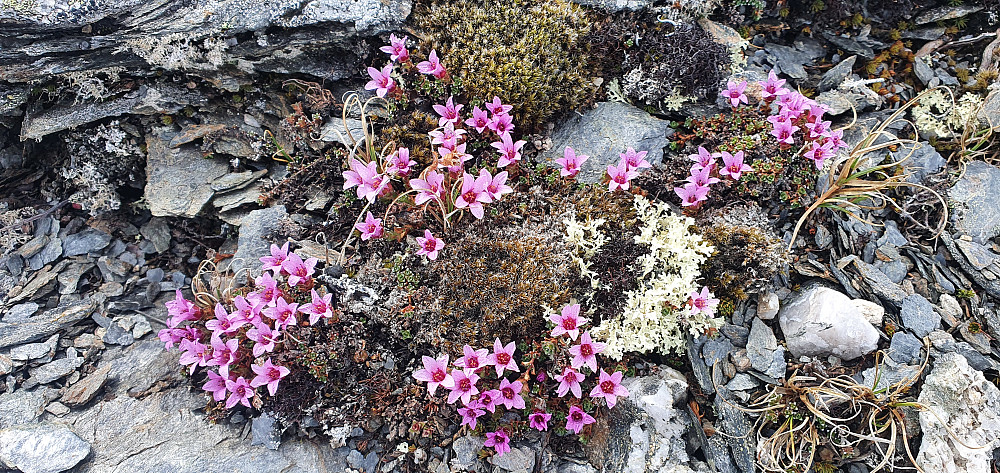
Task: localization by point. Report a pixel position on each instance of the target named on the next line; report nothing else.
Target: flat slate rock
(45, 324)
(178, 180)
(977, 199)
(604, 133)
(41, 448)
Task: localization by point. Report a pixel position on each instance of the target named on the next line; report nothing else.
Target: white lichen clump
(654, 317)
(587, 239)
(939, 115)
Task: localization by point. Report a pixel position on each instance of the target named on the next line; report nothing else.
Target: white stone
(871, 311)
(970, 406)
(41, 448)
(767, 306)
(820, 321)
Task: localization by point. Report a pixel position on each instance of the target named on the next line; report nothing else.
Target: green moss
(530, 53)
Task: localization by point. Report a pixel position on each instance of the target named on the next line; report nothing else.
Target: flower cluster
(627, 169)
(233, 340)
(445, 183)
(792, 115)
(478, 379)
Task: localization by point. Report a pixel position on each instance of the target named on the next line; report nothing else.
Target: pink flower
(216, 385)
(836, 137)
(703, 177)
(792, 104)
(268, 374)
(819, 152)
(298, 271)
(181, 310)
(620, 176)
(702, 302)
(428, 188)
(570, 162)
(396, 49)
(464, 387)
(169, 336)
(488, 400)
(400, 162)
(222, 322)
(448, 111)
(432, 66)
(470, 414)
(241, 391)
(479, 119)
(734, 92)
(497, 186)
(245, 312)
(193, 353)
(263, 337)
(510, 151)
(499, 441)
(501, 123)
(268, 292)
(435, 373)
(319, 308)
(568, 322)
(539, 420)
(473, 194)
(370, 228)
(784, 131)
(733, 165)
(366, 177)
(609, 387)
(283, 313)
(818, 128)
(577, 419)
(586, 352)
(497, 107)
(569, 381)
(502, 357)
(510, 394)
(691, 194)
(703, 159)
(446, 136)
(224, 353)
(381, 82)
(772, 88)
(635, 160)
(429, 245)
(472, 359)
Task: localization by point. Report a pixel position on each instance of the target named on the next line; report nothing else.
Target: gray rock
(715, 350)
(35, 351)
(86, 241)
(20, 312)
(892, 235)
(84, 390)
(57, 369)
(742, 382)
(905, 348)
(517, 460)
(989, 115)
(919, 316)
(894, 270)
(157, 232)
(790, 60)
(890, 375)
(253, 243)
(646, 430)
(850, 45)
(6, 364)
(919, 160)
(976, 197)
(879, 283)
(604, 133)
(45, 324)
(466, 452)
(763, 350)
(178, 180)
(944, 342)
(737, 334)
(57, 409)
(823, 237)
(334, 131)
(948, 12)
(923, 71)
(839, 101)
(962, 404)
(41, 448)
(819, 321)
(20, 407)
(50, 253)
(118, 335)
(833, 77)
(265, 431)
(142, 429)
